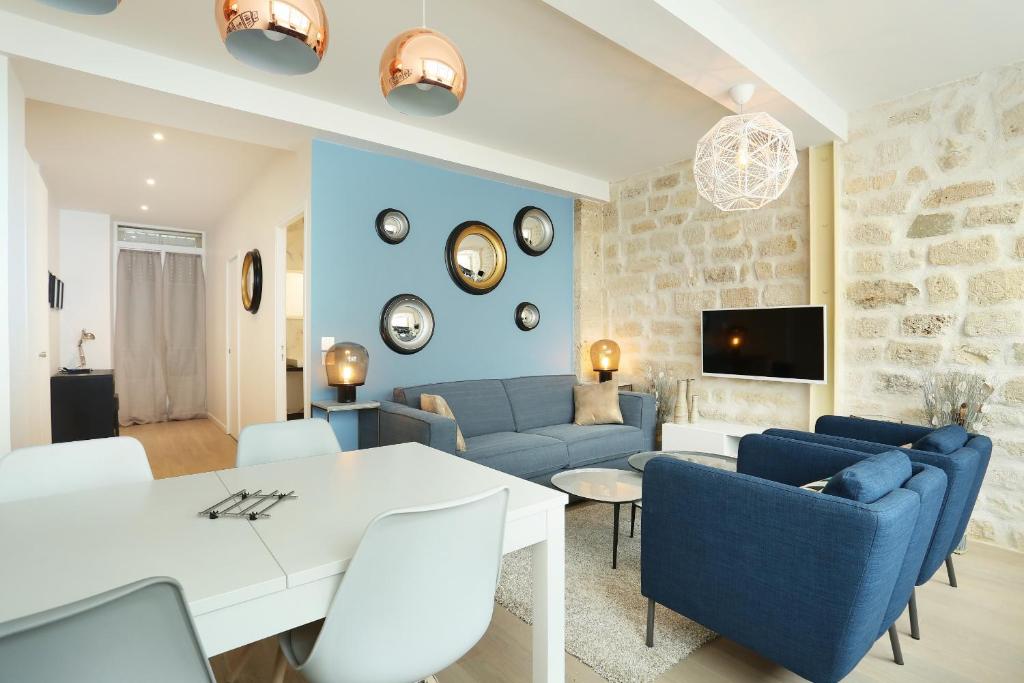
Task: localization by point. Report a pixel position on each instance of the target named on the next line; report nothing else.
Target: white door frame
(232, 395)
(280, 323)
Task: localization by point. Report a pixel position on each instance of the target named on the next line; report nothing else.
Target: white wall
(53, 257)
(85, 268)
(274, 199)
(12, 192)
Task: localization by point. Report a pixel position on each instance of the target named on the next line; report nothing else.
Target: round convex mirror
(527, 316)
(252, 281)
(406, 323)
(476, 257)
(534, 230)
(392, 226)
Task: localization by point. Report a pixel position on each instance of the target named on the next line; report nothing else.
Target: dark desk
(83, 406)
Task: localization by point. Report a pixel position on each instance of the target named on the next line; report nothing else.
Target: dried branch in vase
(955, 397)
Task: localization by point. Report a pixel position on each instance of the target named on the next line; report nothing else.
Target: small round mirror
(476, 257)
(527, 316)
(392, 226)
(534, 230)
(252, 281)
(406, 323)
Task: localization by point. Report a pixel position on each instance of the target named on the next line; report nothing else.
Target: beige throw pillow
(597, 404)
(432, 403)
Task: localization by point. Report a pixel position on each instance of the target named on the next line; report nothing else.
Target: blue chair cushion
(871, 478)
(943, 440)
(591, 444)
(481, 406)
(521, 455)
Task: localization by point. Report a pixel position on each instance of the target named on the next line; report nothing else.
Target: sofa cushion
(540, 401)
(943, 440)
(480, 406)
(594, 443)
(597, 404)
(521, 455)
(871, 478)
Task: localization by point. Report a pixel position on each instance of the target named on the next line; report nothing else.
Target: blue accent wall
(353, 273)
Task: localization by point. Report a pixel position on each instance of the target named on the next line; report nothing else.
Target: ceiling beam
(39, 41)
(706, 47)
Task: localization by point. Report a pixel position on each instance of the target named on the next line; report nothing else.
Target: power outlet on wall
(325, 345)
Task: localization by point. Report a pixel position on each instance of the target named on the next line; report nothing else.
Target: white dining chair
(139, 632)
(39, 471)
(274, 441)
(417, 595)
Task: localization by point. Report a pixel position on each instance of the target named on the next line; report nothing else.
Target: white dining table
(248, 580)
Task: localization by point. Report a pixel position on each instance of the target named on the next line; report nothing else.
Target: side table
(329, 407)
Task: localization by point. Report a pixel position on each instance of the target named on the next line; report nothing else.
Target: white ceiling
(97, 162)
(540, 85)
(864, 52)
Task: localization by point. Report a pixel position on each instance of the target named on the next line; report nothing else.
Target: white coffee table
(603, 485)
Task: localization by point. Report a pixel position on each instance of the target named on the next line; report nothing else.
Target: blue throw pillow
(943, 440)
(871, 478)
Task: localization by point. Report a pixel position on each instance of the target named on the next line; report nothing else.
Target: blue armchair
(805, 579)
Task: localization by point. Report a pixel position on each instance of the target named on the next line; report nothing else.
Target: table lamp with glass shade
(346, 364)
(604, 355)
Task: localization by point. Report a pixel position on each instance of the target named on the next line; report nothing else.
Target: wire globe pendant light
(276, 36)
(84, 6)
(422, 72)
(746, 160)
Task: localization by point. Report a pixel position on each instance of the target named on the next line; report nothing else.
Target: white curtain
(185, 334)
(138, 338)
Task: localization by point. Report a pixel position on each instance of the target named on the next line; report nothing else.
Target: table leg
(615, 538)
(549, 602)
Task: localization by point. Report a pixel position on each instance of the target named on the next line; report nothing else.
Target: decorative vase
(692, 414)
(682, 401)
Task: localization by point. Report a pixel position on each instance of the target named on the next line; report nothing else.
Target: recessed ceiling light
(151, 181)
(158, 136)
(144, 207)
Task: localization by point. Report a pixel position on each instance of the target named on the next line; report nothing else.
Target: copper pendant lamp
(84, 6)
(422, 72)
(276, 36)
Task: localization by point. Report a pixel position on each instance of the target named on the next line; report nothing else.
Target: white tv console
(708, 436)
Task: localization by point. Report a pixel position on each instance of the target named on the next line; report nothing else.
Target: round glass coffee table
(603, 485)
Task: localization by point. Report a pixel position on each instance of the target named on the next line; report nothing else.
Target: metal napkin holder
(235, 502)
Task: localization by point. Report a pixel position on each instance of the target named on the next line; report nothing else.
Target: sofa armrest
(638, 410)
(788, 461)
(402, 424)
(879, 431)
(800, 577)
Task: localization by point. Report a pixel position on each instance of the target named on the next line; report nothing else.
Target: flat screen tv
(784, 344)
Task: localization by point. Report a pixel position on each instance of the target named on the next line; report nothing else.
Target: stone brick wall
(932, 269)
(652, 258)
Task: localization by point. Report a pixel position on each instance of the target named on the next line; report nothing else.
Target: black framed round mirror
(527, 316)
(534, 230)
(476, 257)
(392, 226)
(252, 281)
(406, 324)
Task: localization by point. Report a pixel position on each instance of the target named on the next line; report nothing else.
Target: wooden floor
(971, 633)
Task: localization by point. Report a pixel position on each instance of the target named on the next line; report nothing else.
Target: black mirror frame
(452, 263)
(385, 314)
(254, 262)
(517, 224)
(379, 222)
(519, 313)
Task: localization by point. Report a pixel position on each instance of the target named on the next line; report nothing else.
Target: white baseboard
(212, 418)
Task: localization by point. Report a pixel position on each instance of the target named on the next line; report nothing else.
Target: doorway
(292, 252)
(233, 388)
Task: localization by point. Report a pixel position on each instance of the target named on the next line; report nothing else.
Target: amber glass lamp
(604, 355)
(346, 364)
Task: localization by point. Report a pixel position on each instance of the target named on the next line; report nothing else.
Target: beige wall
(932, 269)
(274, 199)
(650, 260)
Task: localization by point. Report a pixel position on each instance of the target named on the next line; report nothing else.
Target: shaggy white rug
(605, 615)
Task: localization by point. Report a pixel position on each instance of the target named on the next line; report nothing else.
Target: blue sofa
(806, 579)
(521, 426)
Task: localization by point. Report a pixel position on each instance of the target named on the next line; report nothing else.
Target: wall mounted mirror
(392, 226)
(476, 257)
(534, 230)
(252, 281)
(406, 323)
(527, 316)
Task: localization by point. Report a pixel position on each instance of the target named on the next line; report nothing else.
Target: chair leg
(280, 666)
(894, 640)
(243, 661)
(951, 571)
(650, 622)
(632, 520)
(915, 627)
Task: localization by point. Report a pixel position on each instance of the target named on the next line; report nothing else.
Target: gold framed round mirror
(252, 281)
(476, 257)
